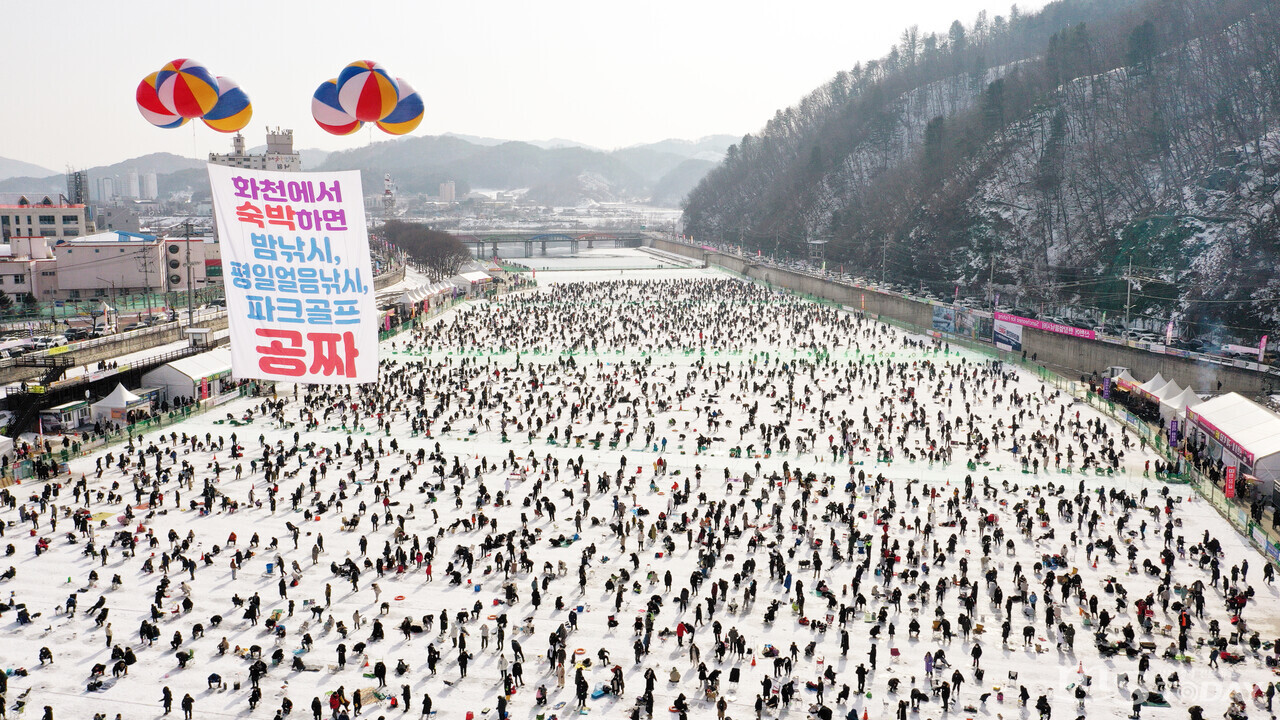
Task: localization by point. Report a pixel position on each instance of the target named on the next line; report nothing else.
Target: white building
(280, 155)
(109, 264)
(150, 187)
(41, 216)
(448, 193)
(131, 185)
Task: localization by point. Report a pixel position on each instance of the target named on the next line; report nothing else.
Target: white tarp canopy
(182, 377)
(1170, 389)
(1125, 376)
(119, 400)
(475, 277)
(1247, 424)
(1154, 384)
(6, 446)
(423, 292)
(1171, 408)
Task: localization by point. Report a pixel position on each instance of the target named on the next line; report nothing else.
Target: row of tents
(1173, 400)
(1230, 429)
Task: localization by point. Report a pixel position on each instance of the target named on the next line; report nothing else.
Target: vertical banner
(1173, 433)
(1262, 348)
(1106, 388)
(1168, 333)
(299, 282)
(1229, 481)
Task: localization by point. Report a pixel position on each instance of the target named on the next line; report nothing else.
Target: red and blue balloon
(184, 90)
(365, 92)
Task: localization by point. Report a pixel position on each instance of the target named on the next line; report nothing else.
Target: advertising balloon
(366, 91)
(152, 109)
(407, 114)
(328, 113)
(186, 88)
(232, 111)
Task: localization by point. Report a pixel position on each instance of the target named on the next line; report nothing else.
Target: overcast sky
(609, 74)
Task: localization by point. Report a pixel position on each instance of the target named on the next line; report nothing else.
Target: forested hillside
(1037, 156)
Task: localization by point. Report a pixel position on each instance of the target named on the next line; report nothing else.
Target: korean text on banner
(299, 280)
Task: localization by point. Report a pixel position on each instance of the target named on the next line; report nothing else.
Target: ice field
(672, 364)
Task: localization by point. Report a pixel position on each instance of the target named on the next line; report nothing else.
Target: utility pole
(991, 284)
(191, 312)
(1128, 293)
(146, 277)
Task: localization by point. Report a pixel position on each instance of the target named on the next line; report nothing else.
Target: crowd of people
(728, 499)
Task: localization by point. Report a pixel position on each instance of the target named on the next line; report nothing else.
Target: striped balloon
(328, 113)
(408, 113)
(152, 109)
(232, 111)
(366, 91)
(187, 88)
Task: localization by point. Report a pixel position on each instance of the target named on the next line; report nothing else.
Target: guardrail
(90, 343)
(1154, 348)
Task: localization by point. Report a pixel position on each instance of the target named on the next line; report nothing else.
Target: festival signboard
(1045, 326)
(1229, 481)
(1007, 335)
(299, 285)
(944, 318)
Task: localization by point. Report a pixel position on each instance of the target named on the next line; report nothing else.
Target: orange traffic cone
(864, 714)
(753, 661)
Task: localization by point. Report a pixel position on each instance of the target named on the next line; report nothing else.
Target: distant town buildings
(78, 187)
(448, 193)
(150, 188)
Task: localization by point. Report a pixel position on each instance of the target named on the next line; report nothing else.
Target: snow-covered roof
(475, 276)
(1250, 425)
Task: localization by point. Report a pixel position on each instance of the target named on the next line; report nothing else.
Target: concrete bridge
(541, 240)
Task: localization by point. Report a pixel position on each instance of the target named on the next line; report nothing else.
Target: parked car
(77, 333)
(44, 342)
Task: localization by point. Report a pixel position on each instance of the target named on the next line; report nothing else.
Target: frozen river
(694, 385)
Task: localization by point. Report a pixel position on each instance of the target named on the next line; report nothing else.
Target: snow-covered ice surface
(648, 353)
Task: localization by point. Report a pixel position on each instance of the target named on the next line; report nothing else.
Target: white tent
(1241, 433)
(1169, 390)
(1154, 383)
(1171, 408)
(117, 404)
(195, 376)
(6, 446)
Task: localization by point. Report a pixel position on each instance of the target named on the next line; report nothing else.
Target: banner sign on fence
(1173, 433)
(944, 318)
(299, 285)
(1006, 335)
(1106, 388)
(1045, 326)
(1229, 481)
